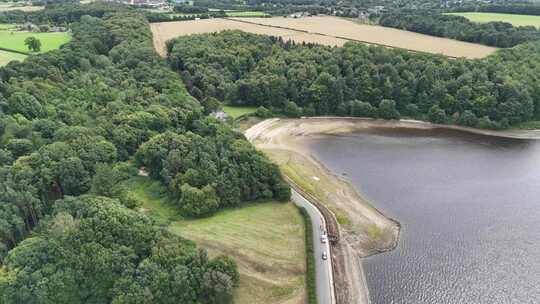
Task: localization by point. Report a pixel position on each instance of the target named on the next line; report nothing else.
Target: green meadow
(14, 40)
(516, 20)
(6, 57)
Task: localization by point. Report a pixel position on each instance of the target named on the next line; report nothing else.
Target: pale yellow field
(346, 29)
(331, 31)
(168, 30)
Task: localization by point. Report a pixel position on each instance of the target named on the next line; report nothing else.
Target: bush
(362, 109)
(292, 110)
(437, 115)
(263, 112)
(387, 109)
(198, 202)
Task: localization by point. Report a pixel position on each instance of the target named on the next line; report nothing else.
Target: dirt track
(331, 31)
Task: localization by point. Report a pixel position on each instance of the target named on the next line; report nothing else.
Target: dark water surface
(469, 208)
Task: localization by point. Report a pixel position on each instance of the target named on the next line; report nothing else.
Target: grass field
(10, 6)
(6, 57)
(235, 112)
(331, 31)
(6, 26)
(266, 240)
(517, 20)
(49, 41)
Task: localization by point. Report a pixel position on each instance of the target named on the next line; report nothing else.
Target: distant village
(163, 4)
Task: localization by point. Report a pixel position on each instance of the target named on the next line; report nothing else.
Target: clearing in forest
(6, 57)
(266, 240)
(331, 31)
(14, 40)
(514, 19)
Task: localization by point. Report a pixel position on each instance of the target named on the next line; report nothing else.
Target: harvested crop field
(325, 30)
(168, 30)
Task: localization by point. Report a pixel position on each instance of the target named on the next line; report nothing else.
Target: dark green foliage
(361, 109)
(263, 112)
(387, 109)
(499, 34)
(437, 115)
(358, 80)
(71, 122)
(93, 250)
(207, 172)
(468, 119)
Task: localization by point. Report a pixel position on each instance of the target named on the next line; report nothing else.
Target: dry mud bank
(364, 230)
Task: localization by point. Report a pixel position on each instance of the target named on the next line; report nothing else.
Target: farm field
(49, 41)
(329, 31)
(9, 6)
(343, 28)
(168, 30)
(266, 239)
(516, 20)
(6, 57)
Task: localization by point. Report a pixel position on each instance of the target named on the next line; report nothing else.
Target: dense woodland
(74, 124)
(358, 80)
(499, 34)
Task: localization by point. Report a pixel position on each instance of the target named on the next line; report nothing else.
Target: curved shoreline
(288, 137)
(365, 229)
(425, 125)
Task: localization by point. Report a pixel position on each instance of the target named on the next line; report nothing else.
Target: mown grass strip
(6, 57)
(310, 259)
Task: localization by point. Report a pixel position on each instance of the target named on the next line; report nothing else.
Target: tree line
(244, 69)
(498, 34)
(77, 122)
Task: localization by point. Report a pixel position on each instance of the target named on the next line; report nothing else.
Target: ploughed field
(331, 31)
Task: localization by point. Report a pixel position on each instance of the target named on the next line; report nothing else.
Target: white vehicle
(324, 255)
(323, 238)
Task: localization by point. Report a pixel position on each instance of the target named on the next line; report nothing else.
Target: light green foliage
(33, 44)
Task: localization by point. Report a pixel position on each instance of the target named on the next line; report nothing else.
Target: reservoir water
(469, 207)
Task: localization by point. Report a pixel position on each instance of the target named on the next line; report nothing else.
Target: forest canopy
(357, 80)
(74, 124)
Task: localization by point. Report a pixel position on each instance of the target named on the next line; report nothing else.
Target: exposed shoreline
(284, 141)
(424, 125)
